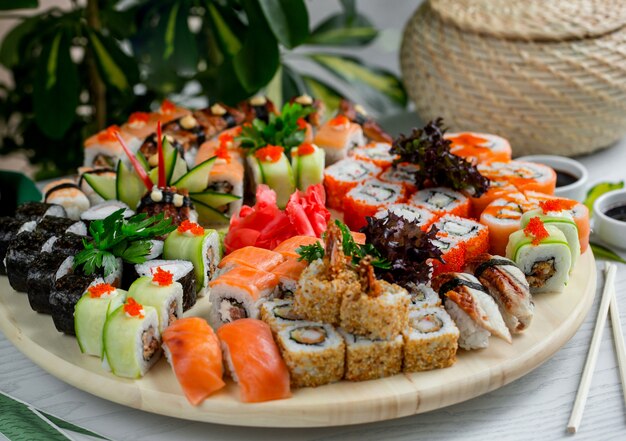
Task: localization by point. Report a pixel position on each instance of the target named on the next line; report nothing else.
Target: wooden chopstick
(592, 356)
(618, 339)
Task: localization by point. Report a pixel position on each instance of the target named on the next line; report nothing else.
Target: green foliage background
(76, 71)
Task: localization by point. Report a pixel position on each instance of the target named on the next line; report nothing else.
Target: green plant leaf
(274, 89)
(602, 252)
(66, 425)
(380, 89)
(330, 96)
(224, 27)
(56, 88)
(349, 8)
(18, 422)
(7, 5)
(257, 61)
(293, 84)
(288, 19)
(11, 48)
(179, 49)
(341, 30)
(598, 190)
(116, 68)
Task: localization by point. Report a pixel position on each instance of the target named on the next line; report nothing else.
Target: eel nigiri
(254, 360)
(193, 350)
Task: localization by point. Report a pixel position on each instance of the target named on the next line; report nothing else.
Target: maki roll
(36, 210)
(368, 359)
(57, 226)
(337, 136)
(356, 113)
(252, 257)
(343, 176)
(66, 193)
(367, 199)
(288, 274)
(472, 308)
(474, 235)
(376, 153)
(453, 255)
(103, 150)
(90, 315)
(141, 124)
(562, 220)
(174, 203)
(278, 314)
(162, 293)
(525, 176)
(270, 166)
(21, 253)
(430, 340)
(104, 210)
(508, 286)
(42, 274)
(131, 339)
(422, 296)
(9, 227)
(543, 254)
(403, 174)
(182, 271)
(202, 247)
(130, 272)
(254, 361)
(307, 162)
(314, 353)
(479, 147)
(168, 111)
(421, 217)
(440, 201)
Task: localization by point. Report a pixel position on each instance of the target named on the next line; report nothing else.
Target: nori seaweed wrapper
(54, 226)
(41, 277)
(23, 250)
(189, 289)
(66, 292)
(37, 210)
(8, 229)
(69, 244)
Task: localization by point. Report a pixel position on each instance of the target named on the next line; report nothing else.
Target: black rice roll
(42, 274)
(9, 226)
(37, 210)
(22, 252)
(57, 226)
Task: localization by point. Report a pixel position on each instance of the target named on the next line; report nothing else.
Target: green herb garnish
(281, 130)
(115, 237)
(311, 252)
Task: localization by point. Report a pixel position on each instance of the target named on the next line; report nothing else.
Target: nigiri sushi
(337, 136)
(356, 113)
(104, 150)
(254, 361)
(193, 350)
(66, 193)
(253, 257)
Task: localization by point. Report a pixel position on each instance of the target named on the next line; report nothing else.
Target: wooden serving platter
(557, 318)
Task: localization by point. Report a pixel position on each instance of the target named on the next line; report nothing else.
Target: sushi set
(259, 266)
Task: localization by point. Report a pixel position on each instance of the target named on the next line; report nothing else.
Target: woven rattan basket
(549, 75)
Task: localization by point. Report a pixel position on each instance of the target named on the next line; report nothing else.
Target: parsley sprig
(114, 237)
(281, 130)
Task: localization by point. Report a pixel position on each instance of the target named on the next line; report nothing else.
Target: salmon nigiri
(254, 360)
(193, 350)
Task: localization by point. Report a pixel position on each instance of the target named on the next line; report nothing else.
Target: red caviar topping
(99, 290)
(556, 205)
(306, 149)
(167, 106)
(192, 227)
(139, 117)
(339, 120)
(302, 124)
(108, 134)
(222, 152)
(537, 230)
(236, 130)
(162, 277)
(132, 308)
(269, 153)
(468, 140)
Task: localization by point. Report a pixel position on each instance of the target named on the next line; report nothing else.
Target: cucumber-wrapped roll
(564, 222)
(131, 339)
(182, 270)
(162, 293)
(200, 246)
(270, 166)
(91, 313)
(543, 254)
(307, 162)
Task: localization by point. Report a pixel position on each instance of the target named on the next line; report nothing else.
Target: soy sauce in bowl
(564, 178)
(618, 213)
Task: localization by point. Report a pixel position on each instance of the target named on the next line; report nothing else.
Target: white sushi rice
(375, 191)
(528, 255)
(421, 328)
(105, 209)
(459, 227)
(438, 198)
(400, 173)
(178, 268)
(352, 170)
(564, 221)
(74, 205)
(79, 228)
(223, 295)
(374, 151)
(410, 213)
(27, 226)
(423, 296)
(211, 256)
(48, 245)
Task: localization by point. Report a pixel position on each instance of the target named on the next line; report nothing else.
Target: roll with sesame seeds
(368, 359)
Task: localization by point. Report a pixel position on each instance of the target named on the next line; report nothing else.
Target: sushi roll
(140, 125)
(357, 114)
(317, 115)
(98, 184)
(288, 274)
(403, 174)
(337, 136)
(503, 217)
(508, 286)
(254, 362)
(474, 311)
(525, 176)
(103, 150)
(440, 201)
(278, 314)
(239, 294)
(130, 273)
(66, 193)
(162, 293)
(193, 350)
(430, 341)
(376, 153)
(368, 359)
(270, 166)
(307, 162)
(202, 247)
(90, 315)
(23, 250)
(217, 118)
(343, 176)
(57, 226)
(185, 133)
(104, 210)
(543, 254)
(421, 217)
(562, 220)
(479, 147)
(453, 255)
(9, 227)
(168, 111)
(289, 248)
(380, 310)
(253, 257)
(423, 296)
(314, 353)
(35, 211)
(131, 339)
(367, 199)
(473, 234)
(175, 203)
(498, 188)
(258, 107)
(42, 275)
(182, 271)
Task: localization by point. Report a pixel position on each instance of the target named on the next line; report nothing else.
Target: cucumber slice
(196, 179)
(213, 199)
(147, 293)
(209, 215)
(308, 169)
(142, 160)
(90, 314)
(104, 186)
(277, 175)
(519, 239)
(175, 165)
(129, 187)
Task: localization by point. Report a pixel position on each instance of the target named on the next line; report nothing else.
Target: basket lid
(535, 19)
